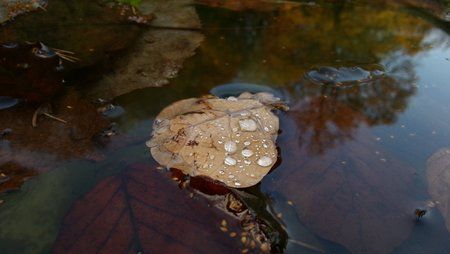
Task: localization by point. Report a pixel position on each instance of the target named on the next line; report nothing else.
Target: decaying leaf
(230, 140)
(438, 174)
(354, 192)
(143, 211)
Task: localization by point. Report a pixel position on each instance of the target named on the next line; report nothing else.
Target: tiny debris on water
(420, 213)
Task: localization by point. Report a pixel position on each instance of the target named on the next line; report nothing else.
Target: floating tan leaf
(230, 140)
(438, 175)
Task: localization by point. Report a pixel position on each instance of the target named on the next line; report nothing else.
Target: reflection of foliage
(328, 114)
(278, 47)
(323, 121)
(287, 44)
(339, 35)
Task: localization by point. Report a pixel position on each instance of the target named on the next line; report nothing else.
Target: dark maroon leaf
(142, 210)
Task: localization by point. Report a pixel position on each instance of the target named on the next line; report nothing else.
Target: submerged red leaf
(141, 210)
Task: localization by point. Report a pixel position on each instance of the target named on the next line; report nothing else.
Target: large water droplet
(247, 153)
(230, 146)
(248, 125)
(264, 161)
(230, 161)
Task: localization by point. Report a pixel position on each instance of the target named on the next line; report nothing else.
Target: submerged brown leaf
(230, 140)
(142, 211)
(353, 193)
(438, 174)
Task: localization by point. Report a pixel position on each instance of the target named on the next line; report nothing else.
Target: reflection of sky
(425, 125)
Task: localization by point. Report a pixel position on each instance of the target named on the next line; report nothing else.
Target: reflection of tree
(328, 113)
(342, 35)
(278, 48)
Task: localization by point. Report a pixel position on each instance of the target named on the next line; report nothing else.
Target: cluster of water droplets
(238, 157)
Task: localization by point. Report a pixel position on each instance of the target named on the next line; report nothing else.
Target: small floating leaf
(230, 140)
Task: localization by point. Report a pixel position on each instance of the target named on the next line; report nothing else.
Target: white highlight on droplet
(247, 153)
(248, 125)
(230, 161)
(264, 161)
(230, 146)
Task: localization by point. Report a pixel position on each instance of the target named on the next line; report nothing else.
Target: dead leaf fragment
(230, 140)
(438, 175)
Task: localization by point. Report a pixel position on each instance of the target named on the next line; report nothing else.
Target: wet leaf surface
(354, 193)
(438, 175)
(230, 140)
(131, 213)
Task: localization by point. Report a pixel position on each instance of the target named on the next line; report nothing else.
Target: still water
(367, 86)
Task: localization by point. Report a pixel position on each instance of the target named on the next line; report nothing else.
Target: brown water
(367, 84)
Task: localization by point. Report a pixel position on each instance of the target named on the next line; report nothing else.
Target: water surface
(367, 84)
